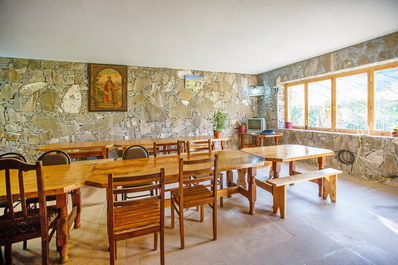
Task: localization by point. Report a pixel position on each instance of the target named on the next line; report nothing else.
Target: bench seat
(329, 176)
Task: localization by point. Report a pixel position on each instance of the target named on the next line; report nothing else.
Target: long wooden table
(61, 179)
(100, 148)
(289, 153)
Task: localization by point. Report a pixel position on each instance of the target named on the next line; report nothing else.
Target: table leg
(241, 181)
(242, 141)
(277, 140)
(76, 201)
(292, 168)
(62, 227)
(321, 165)
(222, 145)
(276, 169)
(252, 171)
(104, 152)
(229, 180)
(261, 141)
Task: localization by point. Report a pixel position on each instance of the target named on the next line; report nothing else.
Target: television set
(255, 125)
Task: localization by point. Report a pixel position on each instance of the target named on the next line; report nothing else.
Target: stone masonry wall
(45, 102)
(378, 155)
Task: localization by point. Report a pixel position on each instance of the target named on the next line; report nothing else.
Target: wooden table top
(288, 152)
(64, 178)
(125, 143)
(77, 145)
(228, 160)
(57, 179)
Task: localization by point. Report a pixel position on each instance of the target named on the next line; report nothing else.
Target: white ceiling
(240, 36)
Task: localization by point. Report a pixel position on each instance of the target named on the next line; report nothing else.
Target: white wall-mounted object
(255, 91)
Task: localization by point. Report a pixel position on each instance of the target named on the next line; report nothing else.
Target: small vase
(217, 134)
(242, 129)
(289, 125)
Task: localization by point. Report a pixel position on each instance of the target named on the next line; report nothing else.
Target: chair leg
(182, 237)
(25, 245)
(215, 220)
(8, 253)
(172, 216)
(202, 212)
(44, 251)
(155, 241)
(221, 187)
(162, 259)
(1, 257)
(112, 252)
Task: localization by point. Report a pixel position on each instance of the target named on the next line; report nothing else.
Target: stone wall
(378, 155)
(45, 102)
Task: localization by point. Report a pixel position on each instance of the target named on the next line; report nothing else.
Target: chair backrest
(135, 184)
(204, 170)
(13, 155)
(135, 151)
(198, 146)
(54, 157)
(167, 148)
(14, 174)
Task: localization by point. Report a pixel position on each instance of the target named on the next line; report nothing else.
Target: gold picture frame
(108, 88)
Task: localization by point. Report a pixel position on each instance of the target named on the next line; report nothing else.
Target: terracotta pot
(217, 134)
(242, 129)
(289, 125)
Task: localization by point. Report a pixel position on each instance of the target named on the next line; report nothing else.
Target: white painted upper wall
(239, 36)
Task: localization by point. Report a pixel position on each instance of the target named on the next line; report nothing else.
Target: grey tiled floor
(361, 228)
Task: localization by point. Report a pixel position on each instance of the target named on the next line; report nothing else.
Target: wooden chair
(18, 226)
(18, 156)
(139, 216)
(205, 146)
(167, 148)
(49, 158)
(134, 152)
(191, 192)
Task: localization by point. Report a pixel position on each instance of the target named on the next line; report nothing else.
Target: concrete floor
(361, 228)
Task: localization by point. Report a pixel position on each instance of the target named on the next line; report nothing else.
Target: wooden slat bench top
(304, 177)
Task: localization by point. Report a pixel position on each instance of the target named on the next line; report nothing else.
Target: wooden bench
(329, 176)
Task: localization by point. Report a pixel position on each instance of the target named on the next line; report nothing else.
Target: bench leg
(329, 188)
(279, 195)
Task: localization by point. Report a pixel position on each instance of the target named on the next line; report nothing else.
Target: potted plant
(241, 126)
(219, 121)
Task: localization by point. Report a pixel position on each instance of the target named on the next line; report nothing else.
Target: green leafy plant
(219, 120)
(239, 124)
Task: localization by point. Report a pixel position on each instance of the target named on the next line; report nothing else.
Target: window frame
(370, 71)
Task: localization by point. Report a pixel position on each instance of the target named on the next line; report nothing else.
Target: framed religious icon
(108, 87)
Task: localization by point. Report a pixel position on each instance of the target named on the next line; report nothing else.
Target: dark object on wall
(346, 157)
(108, 88)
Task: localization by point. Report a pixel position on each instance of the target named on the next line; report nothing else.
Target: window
(319, 104)
(351, 102)
(358, 101)
(296, 104)
(386, 99)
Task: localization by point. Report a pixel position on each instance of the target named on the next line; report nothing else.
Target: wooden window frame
(370, 71)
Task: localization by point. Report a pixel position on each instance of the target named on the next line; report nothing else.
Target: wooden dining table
(290, 153)
(100, 148)
(59, 180)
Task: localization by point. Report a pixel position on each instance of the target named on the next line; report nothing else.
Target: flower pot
(289, 125)
(217, 134)
(242, 129)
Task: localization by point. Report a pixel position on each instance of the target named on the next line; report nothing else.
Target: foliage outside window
(357, 101)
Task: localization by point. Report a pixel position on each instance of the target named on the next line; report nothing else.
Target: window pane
(319, 101)
(351, 97)
(386, 97)
(296, 105)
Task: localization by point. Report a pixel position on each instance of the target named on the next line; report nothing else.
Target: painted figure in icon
(109, 90)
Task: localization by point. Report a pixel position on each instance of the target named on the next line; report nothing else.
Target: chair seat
(194, 195)
(13, 230)
(137, 217)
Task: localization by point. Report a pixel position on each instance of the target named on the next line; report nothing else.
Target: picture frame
(193, 82)
(108, 88)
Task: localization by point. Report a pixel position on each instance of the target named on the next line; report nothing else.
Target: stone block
(31, 88)
(48, 100)
(6, 91)
(72, 100)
